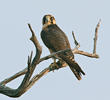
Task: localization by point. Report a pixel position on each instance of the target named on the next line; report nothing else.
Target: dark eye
(52, 18)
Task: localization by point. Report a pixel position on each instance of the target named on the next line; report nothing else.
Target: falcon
(55, 40)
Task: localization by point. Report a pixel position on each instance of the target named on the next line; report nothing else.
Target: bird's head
(48, 20)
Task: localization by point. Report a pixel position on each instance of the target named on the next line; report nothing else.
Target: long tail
(76, 69)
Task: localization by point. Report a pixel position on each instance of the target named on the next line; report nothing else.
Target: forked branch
(28, 82)
(28, 73)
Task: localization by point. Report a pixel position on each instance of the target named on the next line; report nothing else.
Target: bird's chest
(54, 39)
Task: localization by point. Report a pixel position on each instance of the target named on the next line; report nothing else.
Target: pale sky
(81, 16)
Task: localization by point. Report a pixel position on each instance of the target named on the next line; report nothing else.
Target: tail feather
(76, 69)
(77, 72)
(78, 75)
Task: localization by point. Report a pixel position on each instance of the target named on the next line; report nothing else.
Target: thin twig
(96, 35)
(75, 41)
(86, 54)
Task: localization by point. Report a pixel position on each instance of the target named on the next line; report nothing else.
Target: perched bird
(55, 40)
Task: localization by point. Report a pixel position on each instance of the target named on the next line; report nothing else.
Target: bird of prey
(55, 40)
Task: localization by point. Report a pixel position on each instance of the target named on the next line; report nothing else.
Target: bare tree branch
(92, 55)
(31, 66)
(7, 80)
(96, 35)
(75, 41)
(22, 72)
(28, 82)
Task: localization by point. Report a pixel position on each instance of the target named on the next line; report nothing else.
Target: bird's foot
(54, 66)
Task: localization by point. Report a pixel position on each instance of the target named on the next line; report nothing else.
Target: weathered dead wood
(28, 82)
(28, 72)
